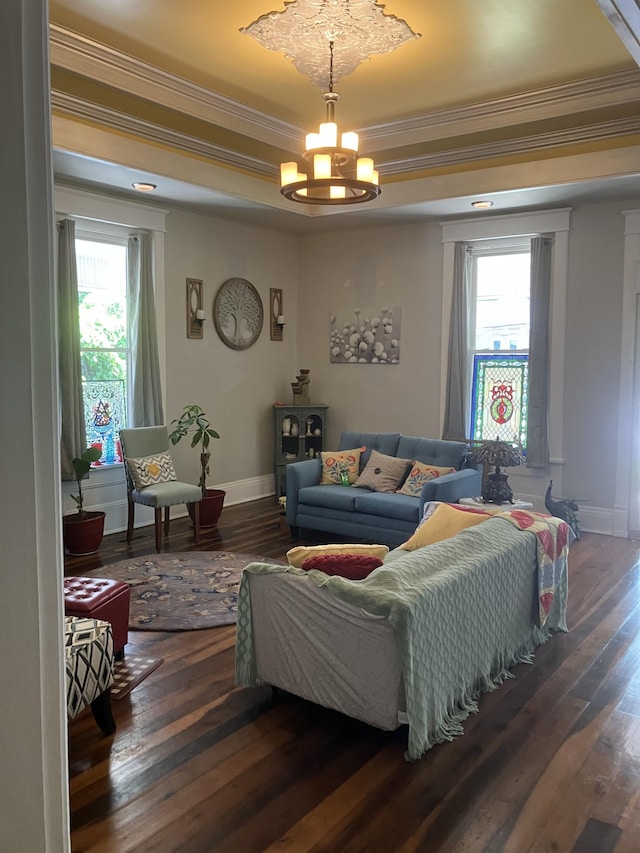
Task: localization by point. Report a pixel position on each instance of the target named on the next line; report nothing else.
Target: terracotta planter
(210, 507)
(82, 534)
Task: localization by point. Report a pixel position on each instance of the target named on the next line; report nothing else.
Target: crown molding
(624, 17)
(592, 93)
(78, 109)
(110, 67)
(521, 145)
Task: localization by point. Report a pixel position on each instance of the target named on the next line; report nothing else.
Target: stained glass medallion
(500, 398)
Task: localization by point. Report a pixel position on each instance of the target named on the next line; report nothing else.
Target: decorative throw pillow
(419, 475)
(445, 522)
(383, 473)
(355, 567)
(149, 470)
(297, 556)
(333, 463)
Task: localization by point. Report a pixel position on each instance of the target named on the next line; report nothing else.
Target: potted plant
(82, 531)
(193, 421)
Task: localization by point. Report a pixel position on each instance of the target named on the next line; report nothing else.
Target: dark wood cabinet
(299, 433)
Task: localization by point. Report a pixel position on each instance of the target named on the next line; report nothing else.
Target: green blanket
(462, 611)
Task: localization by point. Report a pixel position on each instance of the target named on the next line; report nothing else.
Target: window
(500, 342)
(509, 234)
(104, 342)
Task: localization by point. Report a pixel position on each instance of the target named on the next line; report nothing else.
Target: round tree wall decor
(237, 313)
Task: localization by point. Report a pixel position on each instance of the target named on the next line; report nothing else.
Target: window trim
(101, 214)
(511, 227)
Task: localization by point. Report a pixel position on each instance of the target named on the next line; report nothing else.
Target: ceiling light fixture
(143, 187)
(354, 31)
(338, 174)
(481, 205)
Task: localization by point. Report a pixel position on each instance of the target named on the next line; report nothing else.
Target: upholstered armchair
(151, 479)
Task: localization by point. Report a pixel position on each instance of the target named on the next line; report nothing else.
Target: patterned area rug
(129, 672)
(182, 591)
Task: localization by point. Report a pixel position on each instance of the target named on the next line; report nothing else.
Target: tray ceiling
(488, 86)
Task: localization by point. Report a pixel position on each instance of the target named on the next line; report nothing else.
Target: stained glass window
(104, 348)
(105, 409)
(500, 398)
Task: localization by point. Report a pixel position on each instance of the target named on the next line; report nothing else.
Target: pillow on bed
(445, 522)
(334, 462)
(419, 475)
(297, 556)
(383, 473)
(355, 567)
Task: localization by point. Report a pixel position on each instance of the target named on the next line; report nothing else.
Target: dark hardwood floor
(551, 762)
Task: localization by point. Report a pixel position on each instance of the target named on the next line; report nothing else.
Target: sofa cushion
(384, 442)
(355, 567)
(334, 462)
(444, 523)
(419, 475)
(297, 556)
(433, 451)
(388, 505)
(332, 497)
(383, 473)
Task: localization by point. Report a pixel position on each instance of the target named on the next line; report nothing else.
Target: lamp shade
(499, 453)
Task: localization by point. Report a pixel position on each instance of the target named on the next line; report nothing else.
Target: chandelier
(337, 174)
(353, 30)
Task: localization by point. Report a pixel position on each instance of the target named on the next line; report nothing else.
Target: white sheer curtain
(145, 392)
(456, 415)
(539, 354)
(73, 439)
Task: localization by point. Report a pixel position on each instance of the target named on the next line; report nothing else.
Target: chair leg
(196, 521)
(101, 709)
(166, 520)
(158, 522)
(130, 509)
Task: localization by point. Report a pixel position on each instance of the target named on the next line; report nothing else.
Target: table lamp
(495, 488)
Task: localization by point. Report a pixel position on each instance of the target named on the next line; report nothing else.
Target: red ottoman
(98, 598)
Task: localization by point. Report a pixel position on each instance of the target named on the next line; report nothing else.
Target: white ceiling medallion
(303, 31)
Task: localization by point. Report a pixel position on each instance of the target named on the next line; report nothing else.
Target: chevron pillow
(149, 470)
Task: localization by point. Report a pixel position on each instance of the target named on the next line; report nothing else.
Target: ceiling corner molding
(578, 96)
(615, 129)
(78, 109)
(624, 17)
(111, 67)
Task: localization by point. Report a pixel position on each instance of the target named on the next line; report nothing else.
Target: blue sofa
(382, 517)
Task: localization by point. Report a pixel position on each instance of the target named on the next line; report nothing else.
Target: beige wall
(399, 265)
(403, 265)
(393, 265)
(593, 348)
(236, 388)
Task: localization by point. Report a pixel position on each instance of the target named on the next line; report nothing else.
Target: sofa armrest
(300, 475)
(451, 487)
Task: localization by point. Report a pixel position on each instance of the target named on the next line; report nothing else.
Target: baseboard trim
(604, 520)
(238, 492)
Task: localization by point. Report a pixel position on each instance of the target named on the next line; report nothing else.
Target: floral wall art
(366, 336)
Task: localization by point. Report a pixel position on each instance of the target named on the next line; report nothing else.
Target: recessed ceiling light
(143, 187)
(481, 205)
